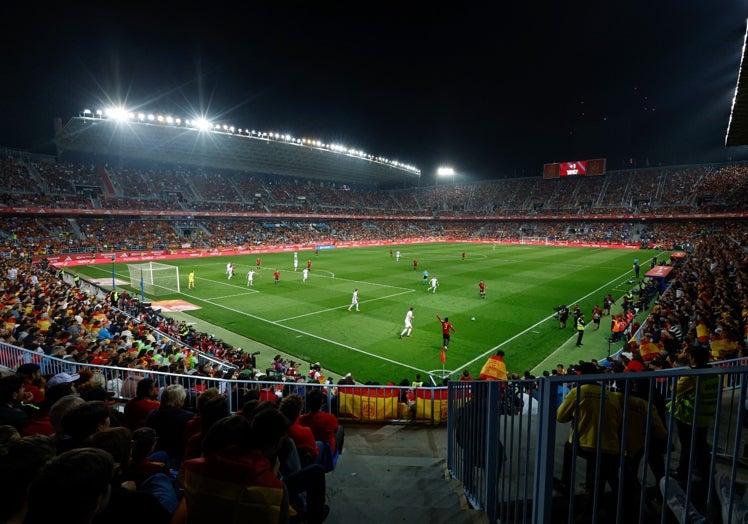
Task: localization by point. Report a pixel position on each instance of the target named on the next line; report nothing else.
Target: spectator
(693, 436)
(59, 485)
(494, 368)
(325, 426)
(127, 504)
(41, 422)
(12, 393)
(210, 411)
(306, 444)
(34, 384)
(137, 409)
(169, 421)
(144, 460)
(195, 424)
(589, 408)
(20, 461)
(82, 421)
(241, 463)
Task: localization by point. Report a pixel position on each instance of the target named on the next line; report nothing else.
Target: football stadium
(224, 255)
(203, 322)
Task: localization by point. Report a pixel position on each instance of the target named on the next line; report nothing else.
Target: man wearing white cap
(62, 378)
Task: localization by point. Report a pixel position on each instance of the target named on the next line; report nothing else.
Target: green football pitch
(311, 321)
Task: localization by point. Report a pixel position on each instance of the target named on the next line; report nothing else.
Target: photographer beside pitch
(563, 315)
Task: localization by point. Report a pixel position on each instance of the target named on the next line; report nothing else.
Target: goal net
(533, 240)
(154, 278)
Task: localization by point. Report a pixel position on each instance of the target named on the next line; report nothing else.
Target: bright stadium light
(116, 113)
(445, 171)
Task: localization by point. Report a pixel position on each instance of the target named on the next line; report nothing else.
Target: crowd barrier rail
(505, 446)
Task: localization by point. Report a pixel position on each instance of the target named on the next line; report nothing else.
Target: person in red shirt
(632, 362)
(597, 314)
(259, 262)
(302, 436)
(324, 425)
(276, 276)
(415, 264)
(466, 376)
(482, 289)
(309, 265)
(447, 330)
(137, 409)
(33, 382)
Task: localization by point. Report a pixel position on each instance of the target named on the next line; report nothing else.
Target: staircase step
(396, 473)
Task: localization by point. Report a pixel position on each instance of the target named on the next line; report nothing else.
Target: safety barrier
(376, 404)
(508, 450)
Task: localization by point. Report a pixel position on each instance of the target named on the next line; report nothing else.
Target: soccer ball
(472, 318)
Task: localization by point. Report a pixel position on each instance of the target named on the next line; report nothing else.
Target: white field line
(552, 356)
(344, 306)
(312, 335)
(247, 292)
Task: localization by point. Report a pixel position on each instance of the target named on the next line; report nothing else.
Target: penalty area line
(300, 333)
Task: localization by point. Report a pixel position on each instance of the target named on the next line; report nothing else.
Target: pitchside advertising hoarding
(594, 167)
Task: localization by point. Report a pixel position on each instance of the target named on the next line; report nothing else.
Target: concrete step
(396, 474)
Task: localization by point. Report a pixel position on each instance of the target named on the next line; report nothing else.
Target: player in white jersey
(408, 323)
(354, 300)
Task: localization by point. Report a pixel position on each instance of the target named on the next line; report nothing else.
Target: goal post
(534, 240)
(154, 278)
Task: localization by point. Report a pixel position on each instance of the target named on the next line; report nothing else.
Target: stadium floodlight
(445, 171)
(116, 113)
(202, 124)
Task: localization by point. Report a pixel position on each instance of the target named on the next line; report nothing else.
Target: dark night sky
(492, 91)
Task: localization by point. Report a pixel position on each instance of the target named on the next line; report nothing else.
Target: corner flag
(444, 356)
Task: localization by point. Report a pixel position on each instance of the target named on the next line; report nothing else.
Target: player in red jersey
(447, 330)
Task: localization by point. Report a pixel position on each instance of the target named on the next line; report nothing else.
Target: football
(472, 318)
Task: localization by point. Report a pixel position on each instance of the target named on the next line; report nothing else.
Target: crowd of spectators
(694, 190)
(64, 417)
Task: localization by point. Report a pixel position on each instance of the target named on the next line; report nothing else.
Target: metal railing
(519, 464)
(354, 403)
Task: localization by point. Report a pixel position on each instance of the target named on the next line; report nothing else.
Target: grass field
(311, 320)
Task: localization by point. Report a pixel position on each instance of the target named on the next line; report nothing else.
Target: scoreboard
(594, 167)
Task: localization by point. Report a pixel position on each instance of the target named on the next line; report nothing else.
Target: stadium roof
(737, 129)
(223, 148)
